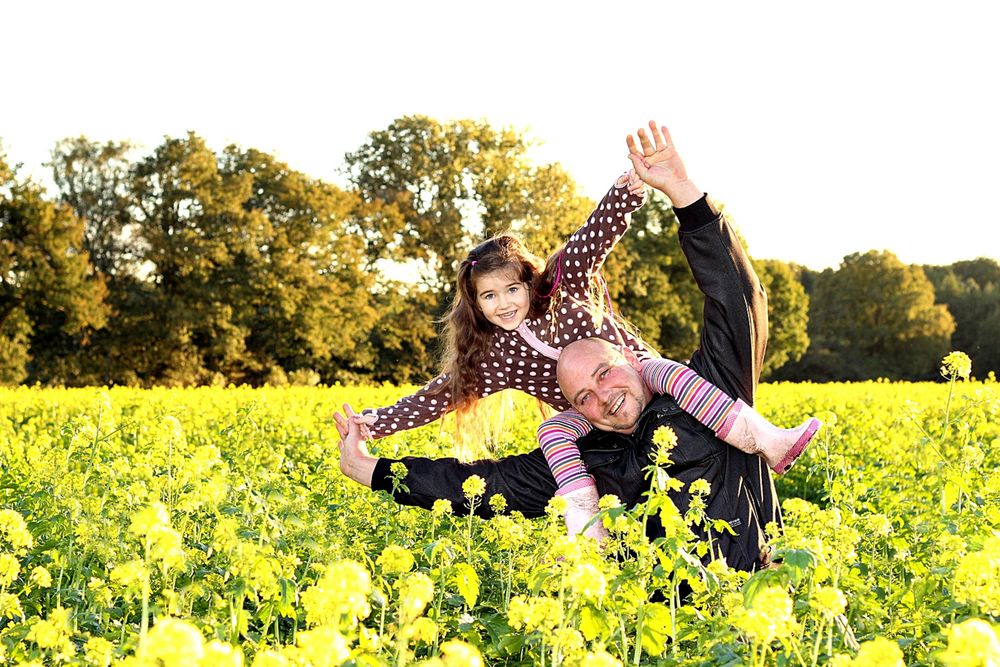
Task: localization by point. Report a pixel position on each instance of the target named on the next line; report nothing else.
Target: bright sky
(827, 129)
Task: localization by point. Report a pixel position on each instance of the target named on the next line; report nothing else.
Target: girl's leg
(557, 437)
(733, 421)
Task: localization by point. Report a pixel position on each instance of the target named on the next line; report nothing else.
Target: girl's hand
(362, 421)
(658, 164)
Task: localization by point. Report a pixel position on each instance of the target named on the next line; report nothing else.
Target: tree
(787, 314)
(971, 291)
(95, 180)
(876, 317)
(300, 286)
(454, 184)
(50, 297)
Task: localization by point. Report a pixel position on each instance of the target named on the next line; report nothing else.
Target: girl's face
(502, 298)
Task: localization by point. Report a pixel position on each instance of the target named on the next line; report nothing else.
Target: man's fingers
(630, 141)
(667, 141)
(647, 146)
(657, 137)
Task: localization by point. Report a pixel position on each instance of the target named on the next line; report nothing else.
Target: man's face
(603, 384)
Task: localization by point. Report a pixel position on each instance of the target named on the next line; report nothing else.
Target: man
(730, 354)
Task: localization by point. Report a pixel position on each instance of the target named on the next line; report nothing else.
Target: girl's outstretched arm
(429, 403)
(589, 246)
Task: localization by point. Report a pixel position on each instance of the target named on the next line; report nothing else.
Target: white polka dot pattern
(511, 363)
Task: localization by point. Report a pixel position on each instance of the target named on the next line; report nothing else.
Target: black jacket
(730, 353)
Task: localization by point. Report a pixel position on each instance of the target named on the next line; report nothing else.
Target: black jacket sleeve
(524, 481)
(734, 331)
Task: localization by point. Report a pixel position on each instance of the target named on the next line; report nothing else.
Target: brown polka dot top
(512, 362)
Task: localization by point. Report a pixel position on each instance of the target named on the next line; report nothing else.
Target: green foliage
(787, 314)
(50, 297)
(875, 317)
(971, 291)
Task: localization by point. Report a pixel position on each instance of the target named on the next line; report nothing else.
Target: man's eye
(583, 399)
(603, 373)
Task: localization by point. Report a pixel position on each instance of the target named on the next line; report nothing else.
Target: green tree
(50, 297)
(971, 291)
(298, 281)
(96, 181)
(454, 184)
(787, 314)
(876, 317)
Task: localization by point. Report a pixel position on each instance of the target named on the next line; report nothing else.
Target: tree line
(186, 266)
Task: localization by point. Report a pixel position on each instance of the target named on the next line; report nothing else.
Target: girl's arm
(429, 403)
(589, 246)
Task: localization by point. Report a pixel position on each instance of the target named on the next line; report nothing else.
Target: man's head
(603, 383)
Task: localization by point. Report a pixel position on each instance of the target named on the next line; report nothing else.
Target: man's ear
(630, 357)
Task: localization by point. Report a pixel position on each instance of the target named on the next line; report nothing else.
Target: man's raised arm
(734, 333)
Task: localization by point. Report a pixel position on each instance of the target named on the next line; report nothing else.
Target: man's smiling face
(603, 383)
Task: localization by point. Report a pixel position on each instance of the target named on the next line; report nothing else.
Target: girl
(510, 318)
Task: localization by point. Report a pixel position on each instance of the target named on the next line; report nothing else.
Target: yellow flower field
(212, 526)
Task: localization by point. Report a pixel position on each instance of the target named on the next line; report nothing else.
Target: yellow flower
(324, 646)
(972, 643)
(10, 607)
(700, 487)
(218, 654)
(145, 519)
(769, 617)
(588, 581)
(665, 440)
(556, 506)
(600, 658)
(474, 486)
(422, 630)
(457, 653)
(340, 594)
(99, 651)
(498, 503)
(9, 569)
(977, 578)
(175, 642)
(395, 560)
(879, 652)
(415, 591)
(608, 501)
(956, 365)
(829, 601)
(129, 575)
(441, 507)
(40, 577)
(15, 530)
(270, 659)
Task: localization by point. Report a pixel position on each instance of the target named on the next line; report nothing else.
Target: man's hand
(659, 165)
(355, 461)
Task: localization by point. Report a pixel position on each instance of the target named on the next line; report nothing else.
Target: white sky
(826, 128)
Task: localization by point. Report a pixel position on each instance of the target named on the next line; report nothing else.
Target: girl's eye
(487, 297)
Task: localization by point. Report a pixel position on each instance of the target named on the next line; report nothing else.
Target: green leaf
(594, 623)
(655, 619)
(465, 578)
